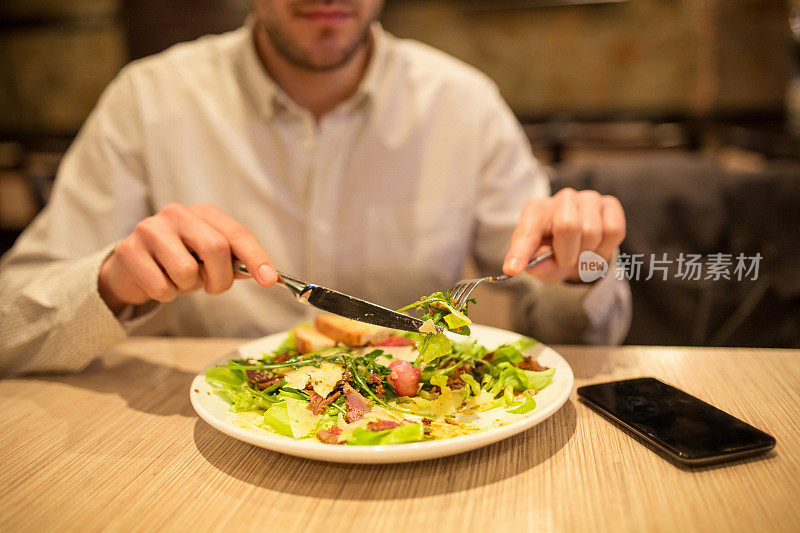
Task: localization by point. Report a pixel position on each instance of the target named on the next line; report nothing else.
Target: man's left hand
(569, 222)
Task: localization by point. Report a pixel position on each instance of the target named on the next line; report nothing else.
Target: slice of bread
(307, 339)
(346, 331)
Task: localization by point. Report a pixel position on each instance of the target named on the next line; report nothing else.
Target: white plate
(215, 411)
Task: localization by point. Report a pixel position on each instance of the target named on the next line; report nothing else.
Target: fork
(460, 291)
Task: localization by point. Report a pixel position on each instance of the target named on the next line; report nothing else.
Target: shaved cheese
(301, 420)
(481, 399)
(447, 403)
(297, 379)
(323, 379)
(428, 327)
(404, 353)
(383, 361)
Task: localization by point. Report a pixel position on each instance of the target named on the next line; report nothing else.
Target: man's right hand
(155, 262)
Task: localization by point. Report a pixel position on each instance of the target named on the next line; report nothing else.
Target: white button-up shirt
(384, 198)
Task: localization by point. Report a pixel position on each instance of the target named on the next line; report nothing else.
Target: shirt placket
(322, 200)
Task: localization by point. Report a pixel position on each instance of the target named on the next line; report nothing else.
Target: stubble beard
(295, 55)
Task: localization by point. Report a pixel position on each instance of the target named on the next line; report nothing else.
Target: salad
(339, 381)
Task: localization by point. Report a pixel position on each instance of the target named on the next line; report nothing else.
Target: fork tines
(461, 290)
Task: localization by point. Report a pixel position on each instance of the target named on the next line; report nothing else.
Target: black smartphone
(686, 428)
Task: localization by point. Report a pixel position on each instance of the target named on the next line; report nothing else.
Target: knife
(345, 305)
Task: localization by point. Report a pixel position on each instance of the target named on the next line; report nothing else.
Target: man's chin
(320, 50)
(327, 62)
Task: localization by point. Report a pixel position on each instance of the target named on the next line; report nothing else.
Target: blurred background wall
(621, 95)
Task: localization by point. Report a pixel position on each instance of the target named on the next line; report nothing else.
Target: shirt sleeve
(597, 313)
(51, 314)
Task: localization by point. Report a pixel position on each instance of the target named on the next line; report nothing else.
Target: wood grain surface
(118, 447)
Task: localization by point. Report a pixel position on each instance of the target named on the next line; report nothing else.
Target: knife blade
(350, 307)
(339, 303)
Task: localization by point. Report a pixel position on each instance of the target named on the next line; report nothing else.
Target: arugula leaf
(295, 394)
(439, 309)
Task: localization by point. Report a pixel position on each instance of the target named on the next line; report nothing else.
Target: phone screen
(685, 427)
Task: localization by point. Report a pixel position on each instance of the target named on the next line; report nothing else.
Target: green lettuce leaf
(398, 435)
(221, 376)
(434, 346)
(507, 354)
(471, 349)
(539, 380)
(288, 343)
(527, 406)
(521, 380)
(512, 353)
(277, 417)
(524, 343)
(231, 385)
(301, 420)
(456, 320)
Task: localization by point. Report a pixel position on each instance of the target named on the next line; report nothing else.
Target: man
(310, 141)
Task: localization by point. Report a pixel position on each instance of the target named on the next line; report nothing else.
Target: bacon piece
(376, 379)
(262, 379)
(317, 404)
(357, 405)
(314, 400)
(404, 378)
(530, 364)
(330, 435)
(380, 425)
(454, 380)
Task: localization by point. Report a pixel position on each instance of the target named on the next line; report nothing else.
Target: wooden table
(119, 447)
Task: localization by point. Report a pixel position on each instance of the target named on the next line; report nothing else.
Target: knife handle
(293, 284)
(238, 266)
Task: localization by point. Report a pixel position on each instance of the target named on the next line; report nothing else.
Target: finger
(243, 244)
(590, 208)
(614, 227)
(165, 245)
(208, 244)
(199, 284)
(144, 271)
(566, 228)
(214, 251)
(527, 236)
(547, 270)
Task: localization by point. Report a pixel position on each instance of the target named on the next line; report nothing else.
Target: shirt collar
(270, 99)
